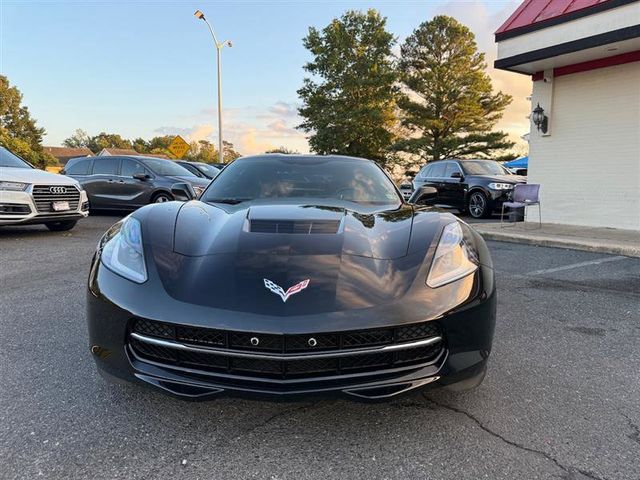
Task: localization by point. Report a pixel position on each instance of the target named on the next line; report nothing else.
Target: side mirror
(183, 192)
(456, 175)
(423, 194)
(141, 176)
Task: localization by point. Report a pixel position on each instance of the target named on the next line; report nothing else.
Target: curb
(614, 249)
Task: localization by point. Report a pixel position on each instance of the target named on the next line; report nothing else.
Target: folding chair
(524, 195)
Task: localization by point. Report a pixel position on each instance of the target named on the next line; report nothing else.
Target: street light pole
(219, 46)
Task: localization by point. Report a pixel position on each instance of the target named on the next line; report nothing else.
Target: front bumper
(21, 208)
(466, 333)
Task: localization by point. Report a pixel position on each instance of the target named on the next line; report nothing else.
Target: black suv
(126, 183)
(475, 186)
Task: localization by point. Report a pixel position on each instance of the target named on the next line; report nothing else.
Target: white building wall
(589, 165)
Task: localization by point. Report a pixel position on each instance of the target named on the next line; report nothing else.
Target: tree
(281, 149)
(79, 139)
(448, 106)
(348, 105)
(107, 140)
(140, 145)
(229, 153)
(18, 131)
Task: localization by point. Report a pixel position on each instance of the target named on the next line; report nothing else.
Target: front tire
(478, 205)
(161, 198)
(62, 226)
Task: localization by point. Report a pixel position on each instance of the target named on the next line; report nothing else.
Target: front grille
(295, 227)
(14, 209)
(229, 342)
(45, 195)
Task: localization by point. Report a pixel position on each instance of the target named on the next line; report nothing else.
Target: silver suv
(31, 196)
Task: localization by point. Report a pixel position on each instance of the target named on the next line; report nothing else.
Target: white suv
(29, 195)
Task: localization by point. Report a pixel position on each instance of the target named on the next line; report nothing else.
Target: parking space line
(577, 265)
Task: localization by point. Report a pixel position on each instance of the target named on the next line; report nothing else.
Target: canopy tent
(522, 162)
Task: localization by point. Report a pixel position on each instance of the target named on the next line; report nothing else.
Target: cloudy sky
(144, 68)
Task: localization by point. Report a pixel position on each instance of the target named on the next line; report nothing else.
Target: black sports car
(292, 274)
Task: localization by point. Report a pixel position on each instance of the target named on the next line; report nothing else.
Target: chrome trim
(272, 356)
(181, 370)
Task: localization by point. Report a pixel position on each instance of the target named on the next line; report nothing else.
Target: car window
(167, 167)
(8, 159)
(425, 170)
(353, 180)
(105, 166)
(207, 169)
(484, 167)
(192, 169)
(130, 167)
(450, 168)
(437, 170)
(81, 167)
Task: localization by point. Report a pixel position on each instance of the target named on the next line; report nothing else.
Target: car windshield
(208, 169)
(166, 167)
(354, 180)
(8, 159)
(483, 167)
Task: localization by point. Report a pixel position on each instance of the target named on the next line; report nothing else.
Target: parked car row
(28, 195)
(32, 196)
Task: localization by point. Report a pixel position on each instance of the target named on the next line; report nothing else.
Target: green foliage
(107, 140)
(281, 149)
(18, 131)
(229, 153)
(349, 103)
(79, 139)
(448, 107)
(202, 151)
(205, 151)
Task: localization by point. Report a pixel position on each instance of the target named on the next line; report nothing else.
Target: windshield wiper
(229, 201)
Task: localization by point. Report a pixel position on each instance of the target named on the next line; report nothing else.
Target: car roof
(301, 156)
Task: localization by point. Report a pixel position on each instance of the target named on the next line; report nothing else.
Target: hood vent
(306, 227)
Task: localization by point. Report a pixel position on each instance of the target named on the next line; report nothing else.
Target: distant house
(63, 154)
(107, 152)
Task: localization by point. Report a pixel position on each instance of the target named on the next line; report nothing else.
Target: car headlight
(198, 190)
(13, 186)
(501, 186)
(454, 258)
(122, 251)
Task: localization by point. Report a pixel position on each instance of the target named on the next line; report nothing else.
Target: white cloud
(252, 129)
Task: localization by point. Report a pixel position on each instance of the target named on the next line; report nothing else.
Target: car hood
(227, 257)
(502, 178)
(197, 181)
(32, 175)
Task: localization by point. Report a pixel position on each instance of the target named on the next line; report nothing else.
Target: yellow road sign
(179, 146)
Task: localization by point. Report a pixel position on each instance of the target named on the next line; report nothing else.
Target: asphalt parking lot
(561, 399)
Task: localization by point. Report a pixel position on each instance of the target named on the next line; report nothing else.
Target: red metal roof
(534, 11)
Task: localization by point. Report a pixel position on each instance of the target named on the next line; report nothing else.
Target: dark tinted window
(437, 170)
(353, 180)
(105, 166)
(166, 167)
(130, 167)
(207, 169)
(8, 159)
(425, 170)
(81, 167)
(484, 167)
(450, 168)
